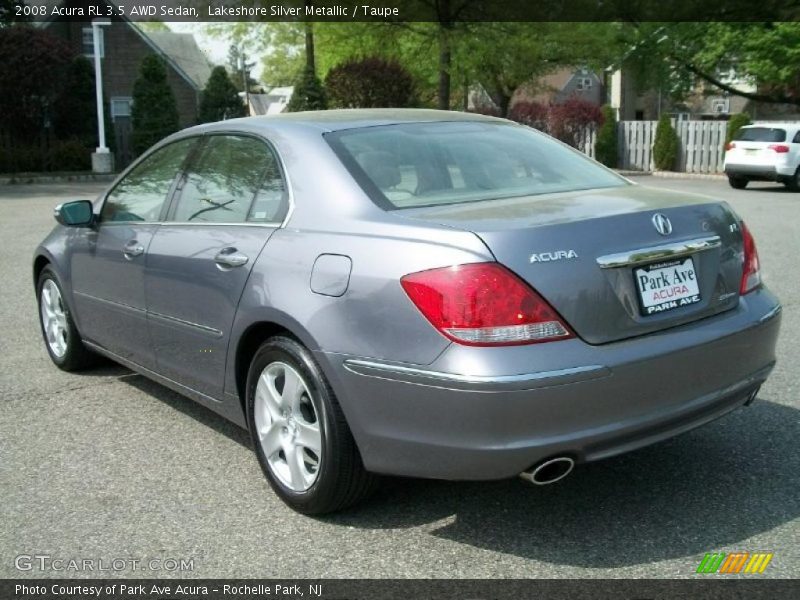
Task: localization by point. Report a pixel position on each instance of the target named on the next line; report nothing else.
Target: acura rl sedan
(410, 292)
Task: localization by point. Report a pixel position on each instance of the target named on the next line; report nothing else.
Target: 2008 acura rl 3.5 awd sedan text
(410, 292)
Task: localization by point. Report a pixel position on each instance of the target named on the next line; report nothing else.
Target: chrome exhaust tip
(549, 471)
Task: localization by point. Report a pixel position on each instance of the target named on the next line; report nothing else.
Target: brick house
(123, 46)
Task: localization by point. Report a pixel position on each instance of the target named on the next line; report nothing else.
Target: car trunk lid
(598, 258)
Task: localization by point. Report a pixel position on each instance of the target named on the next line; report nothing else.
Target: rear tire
(61, 337)
(793, 183)
(737, 183)
(300, 435)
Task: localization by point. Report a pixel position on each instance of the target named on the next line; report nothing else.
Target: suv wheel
(793, 183)
(299, 432)
(737, 183)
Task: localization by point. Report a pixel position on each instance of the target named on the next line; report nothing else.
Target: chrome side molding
(660, 252)
(524, 381)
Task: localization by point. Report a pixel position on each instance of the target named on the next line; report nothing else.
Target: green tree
(154, 114)
(729, 56)
(665, 147)
(308, 93)
(735, 123)
(75, 111)
(31, 76)
(605, 147)
(220, 99)
(369, 83)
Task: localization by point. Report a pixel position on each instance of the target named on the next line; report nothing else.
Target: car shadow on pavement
(714, 486)
(190, 408)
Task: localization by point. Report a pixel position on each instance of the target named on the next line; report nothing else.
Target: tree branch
(779, 99)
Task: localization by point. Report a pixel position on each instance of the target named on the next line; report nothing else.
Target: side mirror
(79, 213)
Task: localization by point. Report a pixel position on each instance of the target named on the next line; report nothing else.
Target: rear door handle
(133, 249)
(230, 257)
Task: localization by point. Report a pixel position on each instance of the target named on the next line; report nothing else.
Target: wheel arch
(251, 339)
(39, 263)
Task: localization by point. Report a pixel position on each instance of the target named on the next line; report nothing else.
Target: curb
(30, 178)
(673, 175)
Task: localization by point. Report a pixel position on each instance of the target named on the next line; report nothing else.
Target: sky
(215, 48)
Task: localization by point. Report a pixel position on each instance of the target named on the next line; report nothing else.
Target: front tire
(299, 432)
(61, 337)
(737, 183)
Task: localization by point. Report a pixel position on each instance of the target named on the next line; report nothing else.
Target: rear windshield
(760, 134)
(429, 164)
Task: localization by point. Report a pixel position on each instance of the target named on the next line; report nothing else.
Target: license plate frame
(666, 286)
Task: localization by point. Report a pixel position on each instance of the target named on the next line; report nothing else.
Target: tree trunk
(310, 62)
(445, 57)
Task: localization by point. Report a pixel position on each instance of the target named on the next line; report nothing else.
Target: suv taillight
(751, 271)
(730, 146)
(483, 304)
(779, 148)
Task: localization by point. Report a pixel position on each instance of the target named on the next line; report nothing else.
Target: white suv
(764, 152)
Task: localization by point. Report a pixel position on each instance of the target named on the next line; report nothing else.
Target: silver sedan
(410, 292)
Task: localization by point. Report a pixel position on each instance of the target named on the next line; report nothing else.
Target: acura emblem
(662, 224)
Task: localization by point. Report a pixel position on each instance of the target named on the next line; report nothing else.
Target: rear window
(428, 164)
(760, 134)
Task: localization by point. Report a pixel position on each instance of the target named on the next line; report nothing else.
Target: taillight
(779, 148)
(730, 146)
(751, 271)
(483, 304)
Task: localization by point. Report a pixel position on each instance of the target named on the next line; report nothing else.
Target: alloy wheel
(54, 318)
(288, 426)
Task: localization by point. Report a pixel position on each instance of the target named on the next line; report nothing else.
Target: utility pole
(245, 79)
(102, 159)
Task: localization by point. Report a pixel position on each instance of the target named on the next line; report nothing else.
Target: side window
(235, 179)
(796, 139)
(141, 194)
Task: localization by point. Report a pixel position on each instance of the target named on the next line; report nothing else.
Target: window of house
(235, 179)
(584, 83)
(88, 41)
(121, 107)
(141, 194)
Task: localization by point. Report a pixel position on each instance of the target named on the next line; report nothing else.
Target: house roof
(182, 49)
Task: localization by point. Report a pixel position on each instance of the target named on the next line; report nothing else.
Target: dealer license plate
(666, 285)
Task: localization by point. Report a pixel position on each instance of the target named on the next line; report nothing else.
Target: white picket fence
(700, 148)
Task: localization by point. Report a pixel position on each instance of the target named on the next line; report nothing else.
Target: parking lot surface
(107, 465)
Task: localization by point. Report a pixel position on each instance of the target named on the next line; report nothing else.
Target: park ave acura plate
(666, 285)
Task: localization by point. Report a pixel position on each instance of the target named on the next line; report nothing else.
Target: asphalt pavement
(107, 466)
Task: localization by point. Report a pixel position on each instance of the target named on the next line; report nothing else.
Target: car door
(108, 263)
(231, 200)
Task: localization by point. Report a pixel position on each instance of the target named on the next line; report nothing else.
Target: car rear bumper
(588, 402)
(760, 172)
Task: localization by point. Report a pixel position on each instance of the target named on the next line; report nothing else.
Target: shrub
(308, 93)
(665, 147)
(70, 155)
(220, 98)
(736, 122)
(605, 147)
(532, 114)
(570, 120)
(370, 83)
(154, 114)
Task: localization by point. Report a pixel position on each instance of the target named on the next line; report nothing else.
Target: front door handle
(230, 257)
(133, 249)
